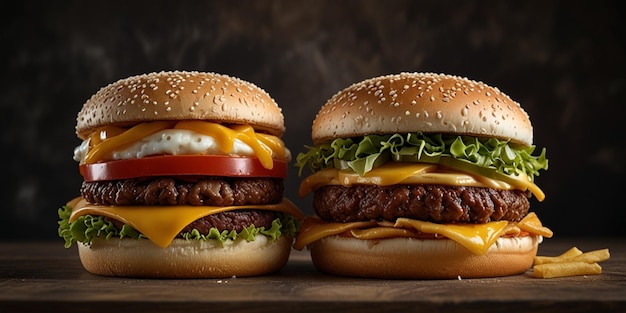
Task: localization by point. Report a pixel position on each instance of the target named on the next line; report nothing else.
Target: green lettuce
(468, 153)
(87, 227)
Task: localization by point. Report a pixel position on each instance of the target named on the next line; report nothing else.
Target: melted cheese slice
(394, 173)
(161, 224)
(475, 237)
(106, 140)
(314, 229)
(381, 232)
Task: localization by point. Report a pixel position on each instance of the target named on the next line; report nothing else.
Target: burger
(421, 176)
(183, 178)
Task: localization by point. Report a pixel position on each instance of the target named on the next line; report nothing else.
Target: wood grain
(45, 277)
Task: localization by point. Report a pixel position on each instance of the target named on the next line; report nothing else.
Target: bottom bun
(184, 258)
(409, 258)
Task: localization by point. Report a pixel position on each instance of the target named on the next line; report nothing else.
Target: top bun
(180, 96)
(422, 102)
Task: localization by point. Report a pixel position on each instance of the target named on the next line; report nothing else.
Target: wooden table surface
(45, 277)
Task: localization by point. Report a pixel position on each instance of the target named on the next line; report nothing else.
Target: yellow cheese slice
(161, 224)
(105, 145)
(381, 232)
(225, 138)
(475, 237)
(314, 229)
(411, 173)
(110, 138)
(386, 175)
(522, 182)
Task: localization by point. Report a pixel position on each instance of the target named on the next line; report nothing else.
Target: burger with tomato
(183, 178)
(421, 175)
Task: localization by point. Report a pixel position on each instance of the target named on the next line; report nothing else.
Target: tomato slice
(181, 165)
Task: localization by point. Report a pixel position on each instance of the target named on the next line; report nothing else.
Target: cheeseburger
(183, 178)
(422, 176)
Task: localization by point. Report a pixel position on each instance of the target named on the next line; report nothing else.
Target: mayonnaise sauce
(173, 142)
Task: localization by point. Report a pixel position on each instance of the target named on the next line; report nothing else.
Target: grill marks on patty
(434, 203)
(206, 191)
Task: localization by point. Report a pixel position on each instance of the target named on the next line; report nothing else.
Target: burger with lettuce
(183, 178)
(421, 175)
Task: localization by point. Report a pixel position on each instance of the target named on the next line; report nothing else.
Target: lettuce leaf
(88, 227)
(366, 153)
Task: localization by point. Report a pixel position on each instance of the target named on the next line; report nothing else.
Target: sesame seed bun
(180, 96)
(409, 258)
(422, 102)
(184, 258)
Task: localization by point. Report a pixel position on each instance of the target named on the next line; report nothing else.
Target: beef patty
(434, 203)
(171, 191)
(205, 191)
(230, 220)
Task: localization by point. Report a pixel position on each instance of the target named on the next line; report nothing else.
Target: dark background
(562, 60)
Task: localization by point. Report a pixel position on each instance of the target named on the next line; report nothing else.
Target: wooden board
(45, 277)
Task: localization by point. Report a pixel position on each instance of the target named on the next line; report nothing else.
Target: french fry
(563, 269)
(573, 252)
(592, 256)
(572, 262)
